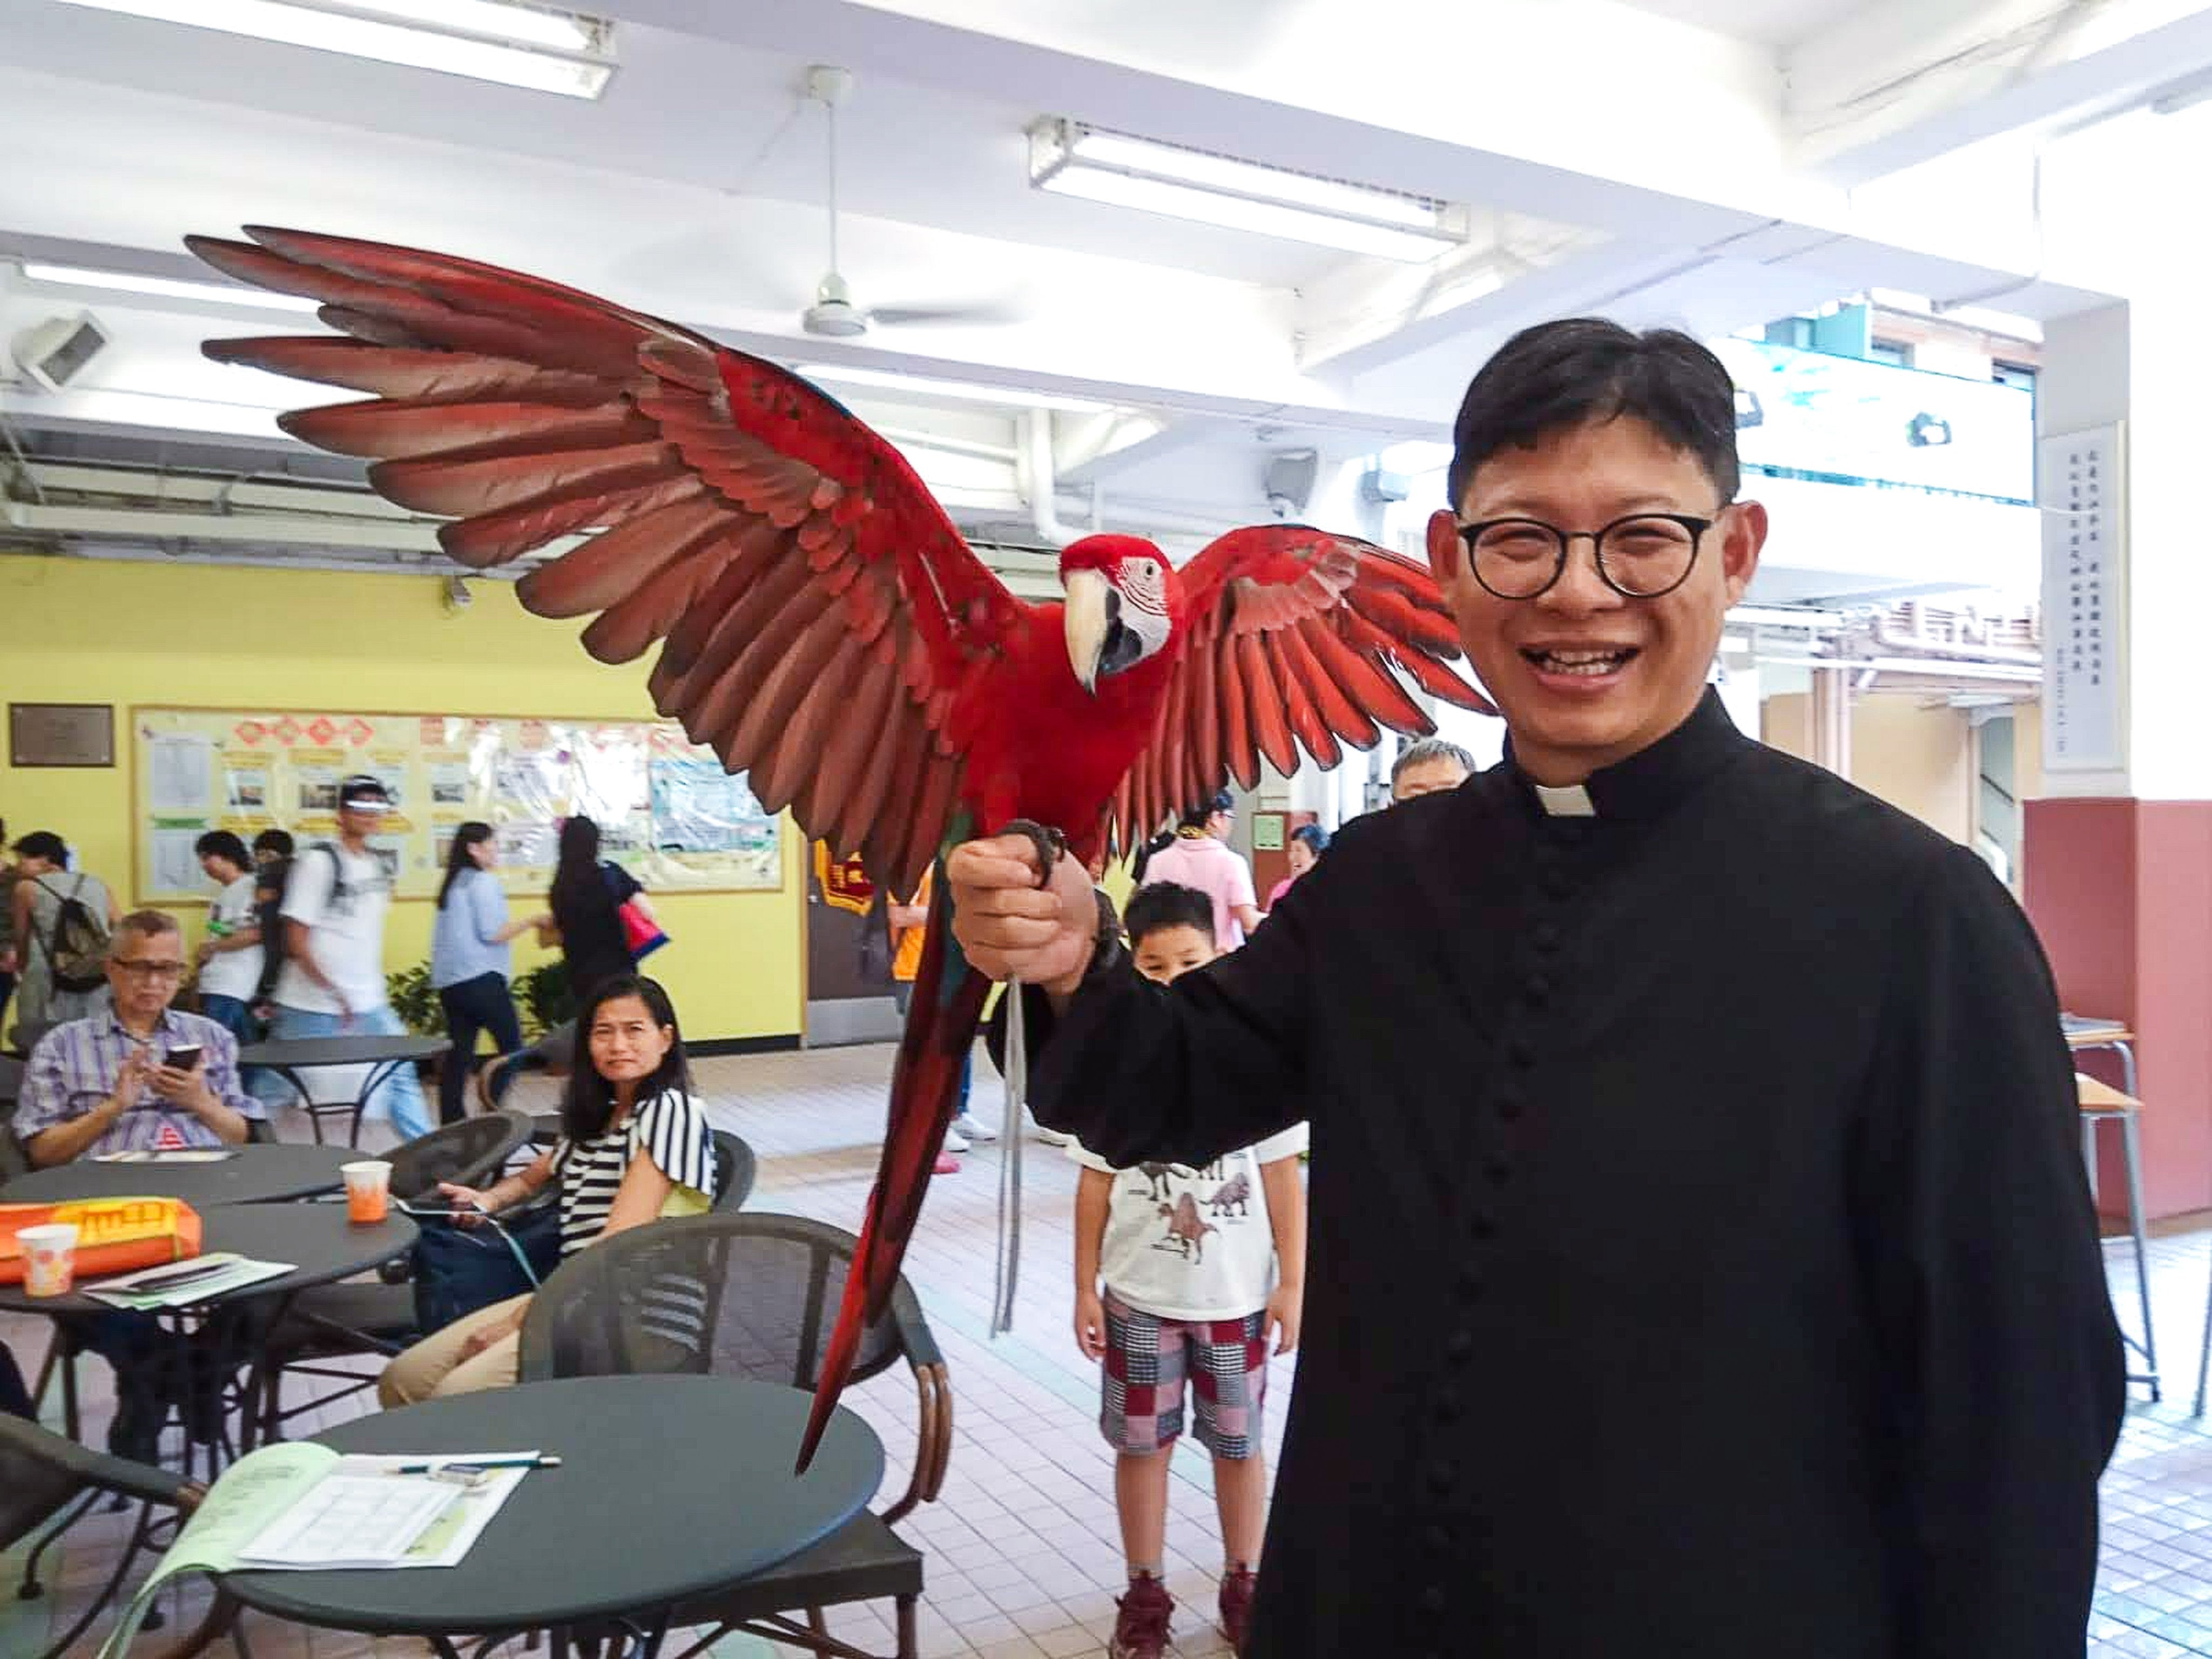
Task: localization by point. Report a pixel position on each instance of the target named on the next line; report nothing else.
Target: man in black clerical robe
(1701, 1265)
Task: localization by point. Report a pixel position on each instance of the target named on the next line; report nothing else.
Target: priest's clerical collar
(1650, 780)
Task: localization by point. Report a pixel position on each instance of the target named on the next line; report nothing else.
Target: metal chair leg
(2131, 1140)
(30, 1590)
(2204, 1349)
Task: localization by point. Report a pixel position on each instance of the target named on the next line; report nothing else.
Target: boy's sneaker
(968, 1124)
(945, 1164)
(1141, 1628)
(1236, 1606)
(955, 1141)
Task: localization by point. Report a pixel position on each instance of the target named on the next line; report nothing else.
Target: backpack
(76, 945)
(270, 912)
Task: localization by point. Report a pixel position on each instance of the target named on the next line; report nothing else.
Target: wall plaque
(61, 734)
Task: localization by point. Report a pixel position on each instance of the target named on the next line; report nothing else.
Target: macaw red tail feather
(941, 1025)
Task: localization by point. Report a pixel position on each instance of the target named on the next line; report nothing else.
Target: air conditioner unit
(58, 350)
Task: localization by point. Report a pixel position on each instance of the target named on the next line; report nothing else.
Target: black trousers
(482, 1004)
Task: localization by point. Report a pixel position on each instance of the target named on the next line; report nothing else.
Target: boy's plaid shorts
(1147, 1358)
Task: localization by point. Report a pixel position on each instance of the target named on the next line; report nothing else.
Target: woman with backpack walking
(61, 920)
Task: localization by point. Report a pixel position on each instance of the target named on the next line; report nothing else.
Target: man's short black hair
(222, 844)
(44, 844)
(278, 842)
(1559, 376)
(1164, 904)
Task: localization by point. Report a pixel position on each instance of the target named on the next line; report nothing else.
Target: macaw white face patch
(1143, 585)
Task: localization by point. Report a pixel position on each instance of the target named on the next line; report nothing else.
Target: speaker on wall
(57, 350)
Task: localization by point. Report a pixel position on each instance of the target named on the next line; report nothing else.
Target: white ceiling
(695, 189)
(1778, 23)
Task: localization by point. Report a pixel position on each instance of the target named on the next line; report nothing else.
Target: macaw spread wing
(1297, 639)
(822, 623)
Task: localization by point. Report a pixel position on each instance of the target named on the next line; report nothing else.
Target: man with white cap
(332, 980)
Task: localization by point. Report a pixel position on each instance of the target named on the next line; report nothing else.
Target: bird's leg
(1051, 846)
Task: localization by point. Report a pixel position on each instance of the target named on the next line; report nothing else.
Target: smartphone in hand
(182, 1060)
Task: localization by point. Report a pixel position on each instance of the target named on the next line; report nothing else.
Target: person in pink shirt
(1200, 857)
(1308, 842)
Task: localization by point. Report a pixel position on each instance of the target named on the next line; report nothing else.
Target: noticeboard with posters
(667, 810)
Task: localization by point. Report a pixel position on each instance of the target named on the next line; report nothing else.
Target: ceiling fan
(835, 313)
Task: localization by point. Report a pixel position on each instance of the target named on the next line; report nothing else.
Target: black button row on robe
(1556, 881)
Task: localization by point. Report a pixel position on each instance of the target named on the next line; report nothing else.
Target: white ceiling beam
(1361, 321)
(1903, 81)
(1325, 90)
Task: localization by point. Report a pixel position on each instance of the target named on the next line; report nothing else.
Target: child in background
(1201, 1270)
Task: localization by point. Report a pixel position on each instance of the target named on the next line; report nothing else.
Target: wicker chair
(330, 1323)
(754, 1295)
(44, 1475)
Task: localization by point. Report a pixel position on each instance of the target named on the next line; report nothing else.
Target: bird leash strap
(1010, 1164)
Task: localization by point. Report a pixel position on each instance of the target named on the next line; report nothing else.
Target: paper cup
(49, 1258)
(368, 1190)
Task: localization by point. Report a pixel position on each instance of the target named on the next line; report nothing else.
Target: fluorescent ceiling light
(967, 392)
(168, 287)
(519, 46)
(1074, 159)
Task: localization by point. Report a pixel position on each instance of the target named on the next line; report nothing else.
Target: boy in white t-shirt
(1201, 1269)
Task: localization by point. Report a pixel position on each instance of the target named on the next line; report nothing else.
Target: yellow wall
(1920, 760)
(81, 631)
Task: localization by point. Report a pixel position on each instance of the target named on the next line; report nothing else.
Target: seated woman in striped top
(634, 1147)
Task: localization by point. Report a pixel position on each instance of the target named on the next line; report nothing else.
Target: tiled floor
(1025, 1557)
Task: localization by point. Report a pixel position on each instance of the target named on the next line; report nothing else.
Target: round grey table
(317, 1239)
(669, 1488)
(260, 1173)
(226, 1332)
(290, 1056)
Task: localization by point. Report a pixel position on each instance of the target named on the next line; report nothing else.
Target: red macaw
(822, 623)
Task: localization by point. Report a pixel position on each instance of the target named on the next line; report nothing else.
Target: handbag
(640, 931)
(460, 1269)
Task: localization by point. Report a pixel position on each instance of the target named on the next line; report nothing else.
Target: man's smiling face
(1584, 675)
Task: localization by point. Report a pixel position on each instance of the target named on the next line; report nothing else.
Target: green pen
(476, 1464)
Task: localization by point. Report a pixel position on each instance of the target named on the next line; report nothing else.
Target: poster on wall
(664, 807)
(2084, 577)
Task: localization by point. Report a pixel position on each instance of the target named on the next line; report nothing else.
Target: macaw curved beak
(1092, 603)
(1099, 643)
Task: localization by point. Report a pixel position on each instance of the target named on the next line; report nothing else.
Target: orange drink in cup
(368, 1190)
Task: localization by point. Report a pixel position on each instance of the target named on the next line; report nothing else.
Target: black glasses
(1641, 557)
(138, 968)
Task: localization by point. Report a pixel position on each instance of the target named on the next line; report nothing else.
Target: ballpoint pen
(518, 1461)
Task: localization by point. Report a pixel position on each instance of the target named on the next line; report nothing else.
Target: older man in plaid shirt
(105, 1083)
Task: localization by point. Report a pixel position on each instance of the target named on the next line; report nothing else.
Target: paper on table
(451, 1536)
(264, 1486)
(146, 1155)
(260, 1486)
(180, 1284)
(350, 1520)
